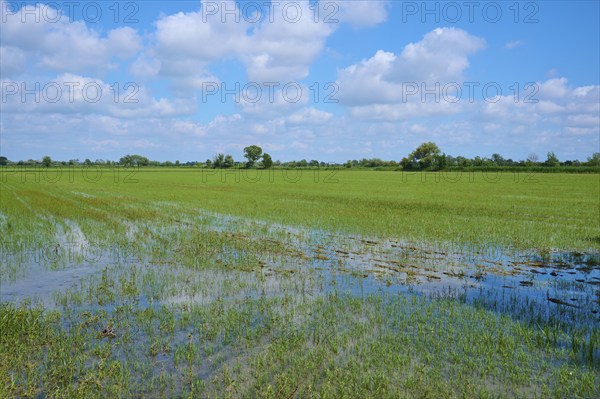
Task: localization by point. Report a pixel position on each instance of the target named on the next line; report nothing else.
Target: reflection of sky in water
(504, 278)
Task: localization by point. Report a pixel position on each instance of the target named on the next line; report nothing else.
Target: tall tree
(594, 160)
(228, 162)
(133, 160)
(532, 159)
(426, 156)
(267, 161)
(552, 160)
(218, 161)
(253, 154)
(498, 159)
(47, 161)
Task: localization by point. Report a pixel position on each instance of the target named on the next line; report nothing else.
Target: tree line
(426, 157)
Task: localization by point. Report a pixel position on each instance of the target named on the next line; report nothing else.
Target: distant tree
(47, 161)
(552, 160)
(87, 162)
(409, 164)
(218, 161)
(267, 161)
(532, 159)
(478, 161)
(314, 163)
(208, 163)
(440, 161)
(177, 163)
(228, 162)
(594, 160)
(125, 161)
(498, 159)
(253, 154)
(426, 156)
(3, 161)
(464, 162)
(134, 160)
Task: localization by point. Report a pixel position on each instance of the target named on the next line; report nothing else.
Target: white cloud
(70, 93)
(513, 44)
(583, 120)
(554, 88)
(549, 107)
(145, 67)
(358, 13)
(194, 35)
(283, 50)
(12, 61)
(280, 48)
(440, 57)
(364, 83)
(393, 87)
(49, 40)
(309, 116)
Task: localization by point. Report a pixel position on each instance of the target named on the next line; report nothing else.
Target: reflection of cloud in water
(39, 287)
(301, 261)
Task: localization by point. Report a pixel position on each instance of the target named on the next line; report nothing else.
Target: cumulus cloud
(69, 94)
(364, 83)
(309, 116)
(556, 118)
(49, 40)
(12, 61)
(441, 56)
(393, 86)
(198, 36)
(359, 13)
(279, 45)
(283, 50)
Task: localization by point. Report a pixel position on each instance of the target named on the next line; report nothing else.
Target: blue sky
(328, 80)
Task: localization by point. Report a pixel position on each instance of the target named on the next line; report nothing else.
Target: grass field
(298, 283)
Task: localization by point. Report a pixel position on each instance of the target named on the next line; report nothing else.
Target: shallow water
(505, 279)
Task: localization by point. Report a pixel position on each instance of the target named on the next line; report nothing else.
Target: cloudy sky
(327, 80)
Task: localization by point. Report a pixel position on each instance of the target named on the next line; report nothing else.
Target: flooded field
(160, 298)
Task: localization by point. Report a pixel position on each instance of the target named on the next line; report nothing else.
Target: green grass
(541, 211)
(203, 288)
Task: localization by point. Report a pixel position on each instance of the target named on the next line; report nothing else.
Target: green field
(298, 283)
